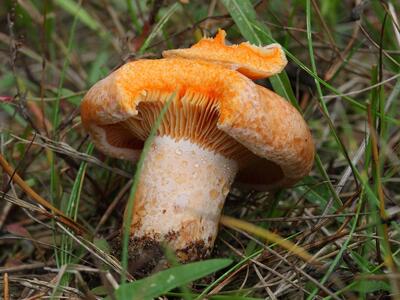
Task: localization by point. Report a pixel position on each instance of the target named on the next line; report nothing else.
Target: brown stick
(6, 290)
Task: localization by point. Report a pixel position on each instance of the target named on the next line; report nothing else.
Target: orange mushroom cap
(216, 107)
(253, 61)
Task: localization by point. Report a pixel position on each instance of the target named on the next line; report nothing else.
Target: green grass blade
(128, 216)
(98, 69)
(244, 15)
(74, 8)
(245, 18)
(73, 206)
(66, 255)
(158, 27)
(164, 281)
(134, 17)
(227, 273)
(54, 177)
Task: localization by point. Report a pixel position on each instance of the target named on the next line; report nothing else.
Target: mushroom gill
(192, 116)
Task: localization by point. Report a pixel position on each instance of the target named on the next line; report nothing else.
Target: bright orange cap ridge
(253, 61)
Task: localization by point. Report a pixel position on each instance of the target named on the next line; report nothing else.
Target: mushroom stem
(180, 195)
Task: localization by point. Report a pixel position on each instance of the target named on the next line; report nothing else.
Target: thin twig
(6, 290)
(39, 199)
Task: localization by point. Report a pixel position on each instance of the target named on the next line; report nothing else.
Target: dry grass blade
(63, 148)
(20, 268)
(267, 235)
(295, 267)
(39, 285)
(263, 266)
(97, 253)
(79, 229)
(27, 206)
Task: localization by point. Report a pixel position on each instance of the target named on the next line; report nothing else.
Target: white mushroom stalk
(181, 192)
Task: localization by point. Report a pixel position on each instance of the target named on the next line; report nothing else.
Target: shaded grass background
(343, 75)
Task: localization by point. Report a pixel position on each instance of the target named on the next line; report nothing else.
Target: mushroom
(219, 126)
